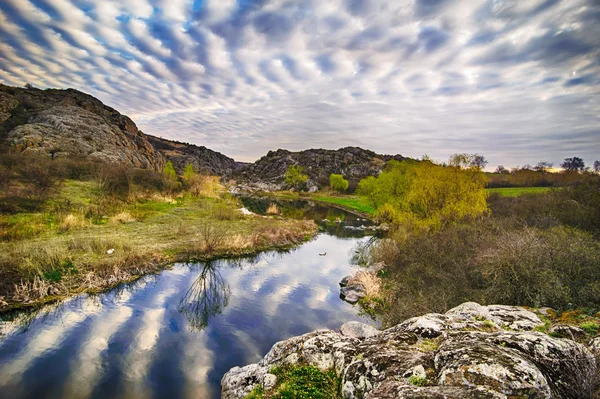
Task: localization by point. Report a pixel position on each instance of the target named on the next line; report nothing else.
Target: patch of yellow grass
(273, 209)
(123, 217)
(370, 282)
(163, 198)
(71, 221)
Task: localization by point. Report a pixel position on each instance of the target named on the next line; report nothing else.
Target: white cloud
(406, 77)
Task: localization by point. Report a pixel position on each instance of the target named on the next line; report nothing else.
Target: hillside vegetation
(538, 248)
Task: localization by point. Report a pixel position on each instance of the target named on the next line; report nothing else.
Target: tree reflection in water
(207, 296)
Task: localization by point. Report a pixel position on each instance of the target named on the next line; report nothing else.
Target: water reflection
(176, 333)
(331, 220)
(207, 296)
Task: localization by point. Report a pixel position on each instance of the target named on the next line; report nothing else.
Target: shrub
(338, 183)
(294, 176)
(169, 171)
(425, 195)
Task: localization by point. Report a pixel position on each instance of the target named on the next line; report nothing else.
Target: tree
(189, 172)
(543, 166)
(294, 176)
(597, 166)
(468, 161)
(337, 182)
(573, 164)
(425, 195)
(169, 171)
(501, 169)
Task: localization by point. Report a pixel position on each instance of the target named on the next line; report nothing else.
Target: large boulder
(471, 351)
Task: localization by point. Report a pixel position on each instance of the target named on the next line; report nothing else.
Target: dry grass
(56, 264)
(370, 282)
(72, 221)
(273, 209)
(123, 217)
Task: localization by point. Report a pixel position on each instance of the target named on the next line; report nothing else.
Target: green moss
(590, 327)
(300, 382)
(417, 380)
(428, 345)
(257, 393)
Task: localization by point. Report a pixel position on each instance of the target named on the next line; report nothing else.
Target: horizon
(517, 83)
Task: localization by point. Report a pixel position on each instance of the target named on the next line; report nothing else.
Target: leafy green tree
(426, 195)
(337, 182)
(294, 176)
(169, 171)
(189, 172)
(597, 166)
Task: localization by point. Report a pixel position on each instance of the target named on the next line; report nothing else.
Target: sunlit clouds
(517, 81)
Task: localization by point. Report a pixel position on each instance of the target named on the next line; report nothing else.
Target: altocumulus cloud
(518, 81)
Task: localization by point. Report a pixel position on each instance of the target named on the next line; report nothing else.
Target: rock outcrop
(201, 158)
(352, 162)
(69, 123)
(471, 351)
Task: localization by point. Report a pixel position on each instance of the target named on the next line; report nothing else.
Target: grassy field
(70, 247)
(356, 203)
(516, 191)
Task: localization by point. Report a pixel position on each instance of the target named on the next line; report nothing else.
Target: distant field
(516, 191)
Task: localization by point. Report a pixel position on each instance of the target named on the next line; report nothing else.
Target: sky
(517, 81)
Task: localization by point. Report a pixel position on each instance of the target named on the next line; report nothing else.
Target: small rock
(567, 331)
(353, 288)
(269, 381)
(351, 298)
(352, 293)
(344, 281)
(355, 329)
(419, 371)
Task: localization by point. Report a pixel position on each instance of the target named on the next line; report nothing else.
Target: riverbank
(46, 256)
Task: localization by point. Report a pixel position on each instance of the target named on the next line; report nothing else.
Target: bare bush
(213, 235)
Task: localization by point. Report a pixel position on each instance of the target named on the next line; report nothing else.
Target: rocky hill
(203, 159)
(70, 123)
(470, 352)
(352, 162)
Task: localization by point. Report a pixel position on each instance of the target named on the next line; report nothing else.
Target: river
(174, 334)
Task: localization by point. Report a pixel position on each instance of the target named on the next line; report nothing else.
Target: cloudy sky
(518, 81)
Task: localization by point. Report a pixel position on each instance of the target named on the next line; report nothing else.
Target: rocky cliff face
(203, 159)
(352, 162)
(68, 123)
(472, 351)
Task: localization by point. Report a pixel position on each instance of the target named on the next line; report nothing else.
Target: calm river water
(175, 334)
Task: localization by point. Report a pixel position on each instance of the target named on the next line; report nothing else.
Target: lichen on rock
(479, 352)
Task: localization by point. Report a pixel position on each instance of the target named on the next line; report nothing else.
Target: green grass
(356, 203)
(516, 191)
(300, 382)
(64, 246)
